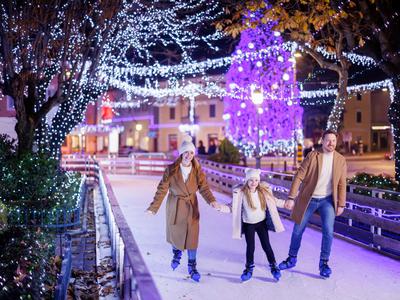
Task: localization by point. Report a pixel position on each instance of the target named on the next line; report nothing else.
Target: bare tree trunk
(25, 132)
(394, 118)
(342, 69)
(25, 126)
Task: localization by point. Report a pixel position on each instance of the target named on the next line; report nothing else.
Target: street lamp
(257, 98)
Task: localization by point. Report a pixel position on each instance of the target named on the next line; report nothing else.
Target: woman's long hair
(261, 190)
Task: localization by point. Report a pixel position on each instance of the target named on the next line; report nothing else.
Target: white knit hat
(187, 145)
(252, 173)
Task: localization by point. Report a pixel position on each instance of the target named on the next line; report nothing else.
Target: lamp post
(293, 60)
(257, 98)
(138, 128)
(294, 168)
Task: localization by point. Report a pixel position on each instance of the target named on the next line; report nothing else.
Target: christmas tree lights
(271, 123)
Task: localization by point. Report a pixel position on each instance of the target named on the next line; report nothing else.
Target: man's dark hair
(329, 131)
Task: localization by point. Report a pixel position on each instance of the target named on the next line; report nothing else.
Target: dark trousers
(249, 231)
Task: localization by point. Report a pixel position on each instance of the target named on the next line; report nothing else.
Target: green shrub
(35, 181)
(26, 264)
(228, 153)
(375, 181)
(3, 215)
(32, 186)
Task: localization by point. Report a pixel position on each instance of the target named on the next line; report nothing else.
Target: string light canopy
(75, 63)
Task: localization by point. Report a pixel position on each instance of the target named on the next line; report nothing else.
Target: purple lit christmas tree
(261, 65)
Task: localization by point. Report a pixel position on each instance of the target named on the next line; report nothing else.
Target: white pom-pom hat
(187, 145)
(252, 173)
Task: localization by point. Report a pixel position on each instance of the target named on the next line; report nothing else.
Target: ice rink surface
(358, 273)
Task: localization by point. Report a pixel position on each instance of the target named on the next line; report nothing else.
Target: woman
(182, 179)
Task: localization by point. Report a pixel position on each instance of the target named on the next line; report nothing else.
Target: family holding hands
(318, 186)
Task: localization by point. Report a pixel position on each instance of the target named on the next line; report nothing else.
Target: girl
(254, 210)
(182, 179)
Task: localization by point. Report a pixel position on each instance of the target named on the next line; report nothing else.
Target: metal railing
(66, 266)
(140, 164)
(133, 277)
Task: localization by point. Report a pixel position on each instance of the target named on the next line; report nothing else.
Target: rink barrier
(60, 292)
(370, 220)
(133, 277)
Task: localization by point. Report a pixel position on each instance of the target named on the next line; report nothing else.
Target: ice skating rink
(358, 273)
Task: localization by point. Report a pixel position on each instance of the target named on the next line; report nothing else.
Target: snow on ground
(358, 273)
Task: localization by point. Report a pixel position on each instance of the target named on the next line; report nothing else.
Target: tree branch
(45, 108)
(323, 63)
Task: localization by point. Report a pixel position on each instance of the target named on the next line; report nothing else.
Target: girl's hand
(216, 205)
(225, 209)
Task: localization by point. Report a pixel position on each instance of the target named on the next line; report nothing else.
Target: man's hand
(339, 211)
(289, 204)
(149, 212)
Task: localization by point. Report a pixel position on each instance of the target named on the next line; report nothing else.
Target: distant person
(212, 148)
(243, 158)
(217, 144)
(201, 149)
(360, 147)
(307, 150)
(354, 148)
(181, 181)
(322, 177)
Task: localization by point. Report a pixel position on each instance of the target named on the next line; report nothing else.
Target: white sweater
(251, 215)
(324, 183)
(185, 172)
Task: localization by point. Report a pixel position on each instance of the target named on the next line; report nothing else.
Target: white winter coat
(237, 207)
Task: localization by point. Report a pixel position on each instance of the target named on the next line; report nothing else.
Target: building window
(172, 142)
(359, 98)
(156, 114)
(358, 117)
(10, 104)
(212, 110)
(172, 113)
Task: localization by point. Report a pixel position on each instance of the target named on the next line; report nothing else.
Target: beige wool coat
(182, 206)
(307, 177)
(237, 207)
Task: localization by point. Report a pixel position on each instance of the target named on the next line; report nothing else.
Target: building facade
(7, 116)
(365, 120)
(161, 128)
(174, 122)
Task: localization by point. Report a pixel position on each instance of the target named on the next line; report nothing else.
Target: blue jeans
(326, 210)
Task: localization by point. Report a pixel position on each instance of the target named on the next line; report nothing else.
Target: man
(322, 176)
(201, 150)
(212, 148)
